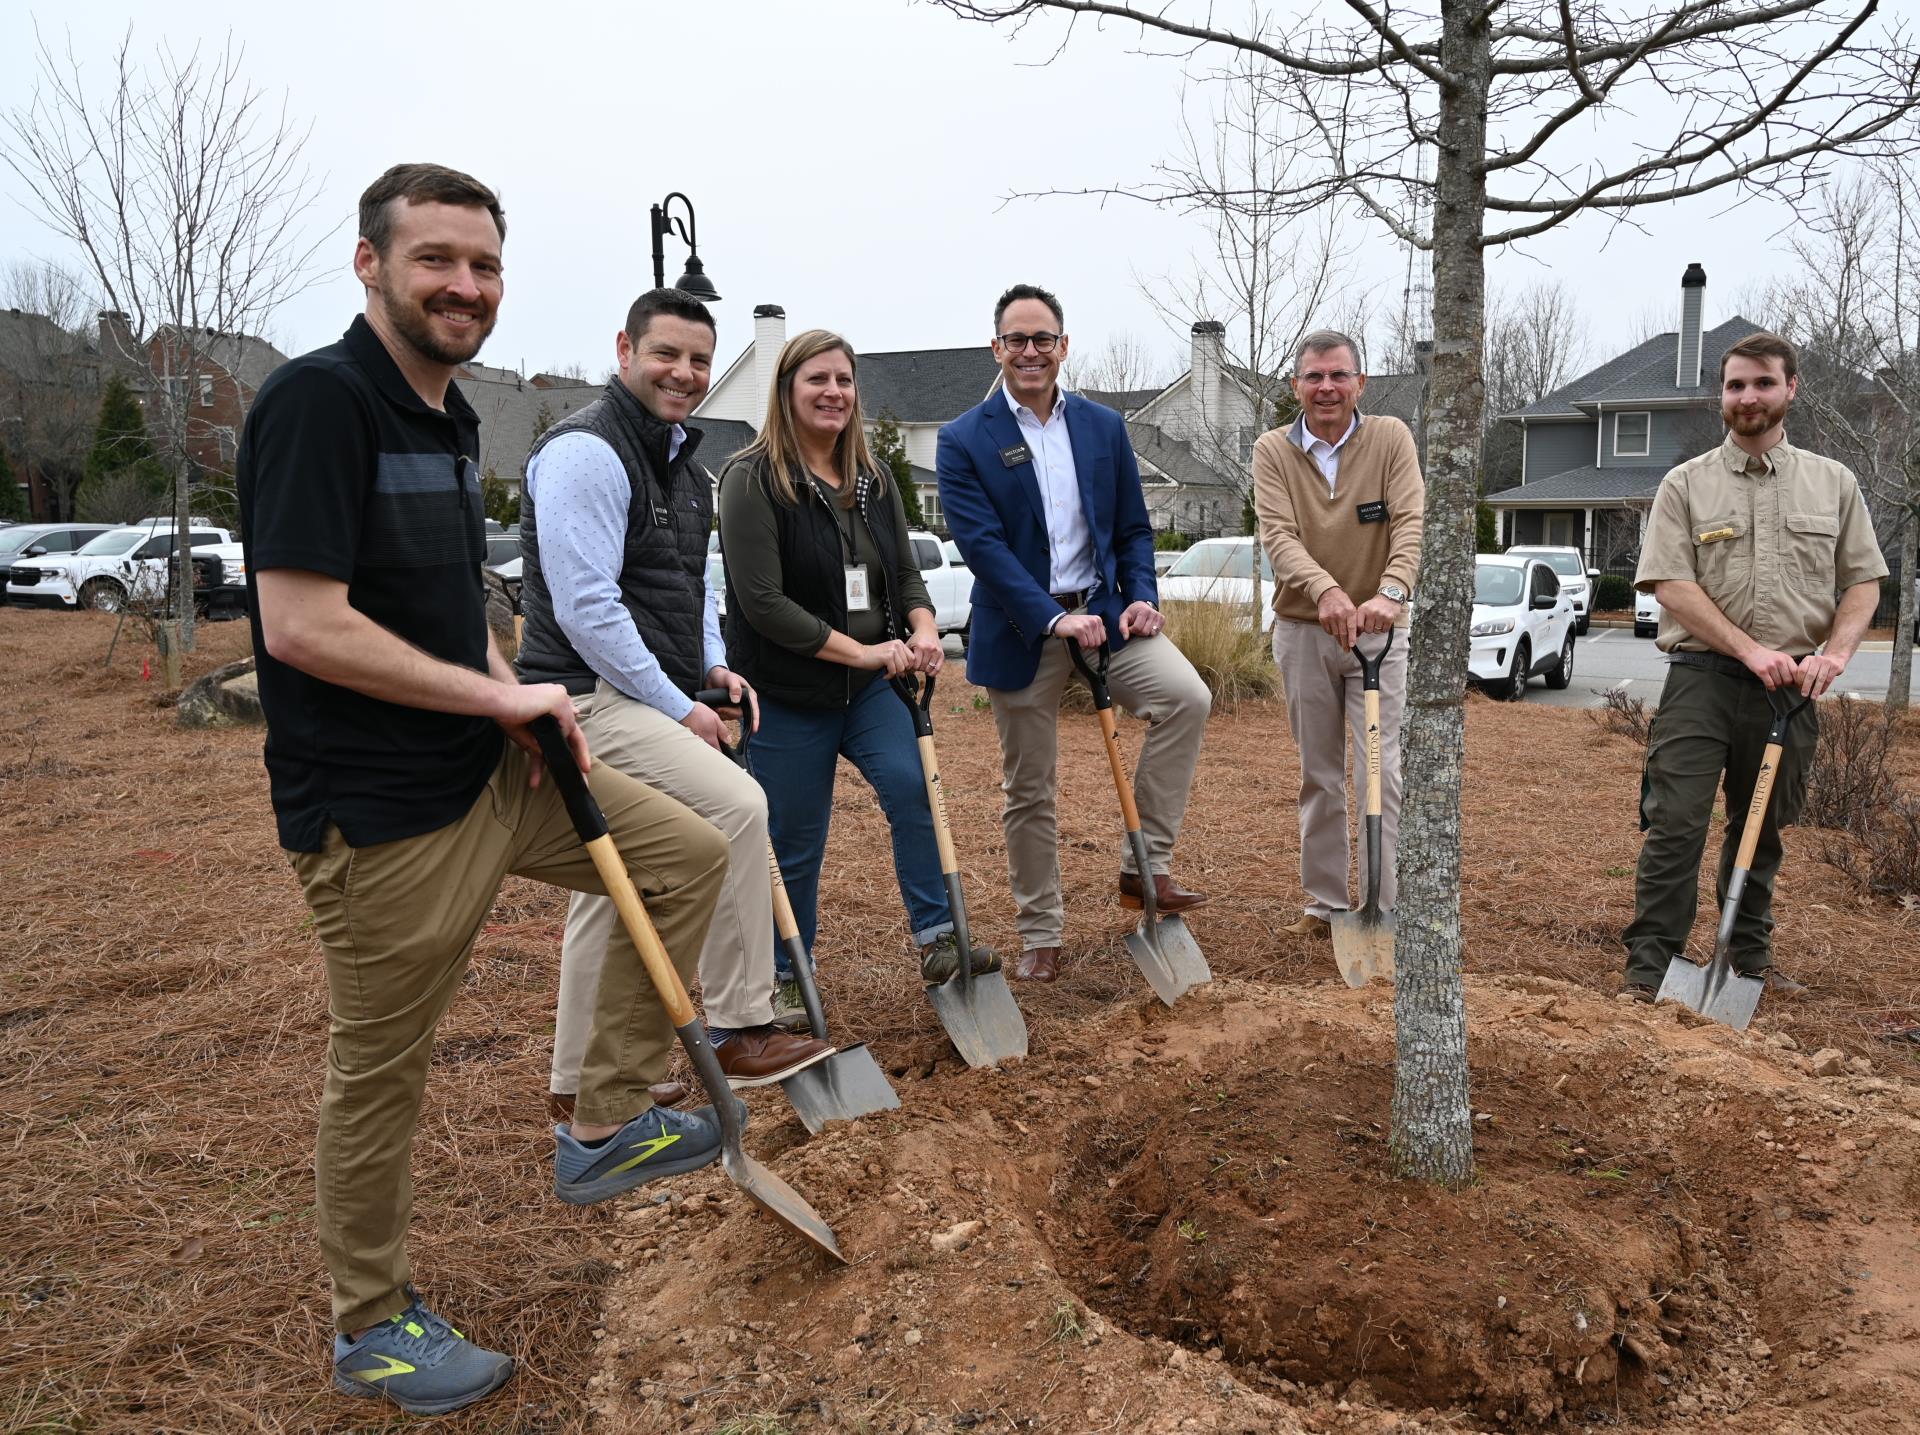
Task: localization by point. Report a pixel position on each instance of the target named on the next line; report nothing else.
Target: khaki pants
(397, 921)
(736, 964)
(1152, 679)
(1325, 699)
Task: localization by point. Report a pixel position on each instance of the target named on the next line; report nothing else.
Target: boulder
(222, 698)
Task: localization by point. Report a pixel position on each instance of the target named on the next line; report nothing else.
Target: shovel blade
(1363, 947)
(1715, 990)
(779, 1200)
(1168, 957)
(846, 1086)
(981, 1018)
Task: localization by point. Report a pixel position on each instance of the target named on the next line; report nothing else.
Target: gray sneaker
(940, 960)
(789, 1011)
(657, 1143)
(419, 1362)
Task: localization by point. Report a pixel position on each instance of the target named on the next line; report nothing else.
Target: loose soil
(1163, 1220)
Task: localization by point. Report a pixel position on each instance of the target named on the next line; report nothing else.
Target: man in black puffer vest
(614, 523)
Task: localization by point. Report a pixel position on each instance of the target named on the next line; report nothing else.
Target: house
(48, 408)
(1193, 437)
(1593, 451)
(211, 375)
(515, 411)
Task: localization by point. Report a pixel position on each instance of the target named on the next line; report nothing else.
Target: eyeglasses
(1339, 376)
(1042, 343)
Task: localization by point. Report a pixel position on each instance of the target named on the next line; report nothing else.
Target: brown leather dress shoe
(1168, 895)
(763, 1055)
(664, 1093)
(1037, 964)
(1309, 926)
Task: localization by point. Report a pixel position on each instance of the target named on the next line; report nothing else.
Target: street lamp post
(694, 281)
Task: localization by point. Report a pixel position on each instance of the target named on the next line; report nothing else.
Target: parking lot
(1612, 658)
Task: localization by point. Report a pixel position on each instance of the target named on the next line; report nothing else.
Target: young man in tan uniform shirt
(1746, 549)
(1340, 503)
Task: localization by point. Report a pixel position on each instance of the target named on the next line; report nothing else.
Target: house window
(930, 504)
(1630, 433)
(206, 391)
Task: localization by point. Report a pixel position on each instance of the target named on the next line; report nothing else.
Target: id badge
(859, 592)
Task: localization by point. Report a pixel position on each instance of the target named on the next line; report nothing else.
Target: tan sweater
(1315, 539)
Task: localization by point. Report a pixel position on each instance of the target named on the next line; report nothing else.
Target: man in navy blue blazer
(1042, 493)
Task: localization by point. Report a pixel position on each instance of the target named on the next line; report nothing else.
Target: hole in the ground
(1252, 1210)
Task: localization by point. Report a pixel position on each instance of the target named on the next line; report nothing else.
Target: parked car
(103, 573)
(949, 583)
(1163, 559)
(36, 540)
(1220, 570)
(502, 549)
(717, 580)
(1523, 625)
(1646, 615)
(1577, 580)
(220, 579)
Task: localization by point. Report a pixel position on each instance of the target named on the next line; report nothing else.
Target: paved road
(1614, 658)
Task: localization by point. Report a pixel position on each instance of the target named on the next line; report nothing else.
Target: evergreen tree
(501, 503)
(120, 443)
(891, 450)
(13, 502)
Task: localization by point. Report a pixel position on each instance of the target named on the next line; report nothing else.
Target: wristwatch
(1393, 591)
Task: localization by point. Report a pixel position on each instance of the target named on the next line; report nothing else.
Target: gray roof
(1398, 396)
(720, 440)
(513, 413)
(1174, 457)
(1644, 373)
(29, 343)
(926, 386)
(1583, 487)
(1121, 400)
(247, 358)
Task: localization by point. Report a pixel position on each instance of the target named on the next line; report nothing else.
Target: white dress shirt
(1326, 455)
(1069, 539)
(583, 497)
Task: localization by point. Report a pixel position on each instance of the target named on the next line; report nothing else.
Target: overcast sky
(848, 159)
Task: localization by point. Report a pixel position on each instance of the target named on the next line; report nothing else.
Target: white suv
(1522, 625)
(949, 582)
(1221, 570)
(120, 562)
(1577, 580)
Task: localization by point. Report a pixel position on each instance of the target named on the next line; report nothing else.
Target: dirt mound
(1190, 1221)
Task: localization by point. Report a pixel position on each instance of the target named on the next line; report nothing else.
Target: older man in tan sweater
(1340, 502)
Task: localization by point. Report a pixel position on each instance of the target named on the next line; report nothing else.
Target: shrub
(1228, 651)
(1623, 716)
(1850, 782)
(1612, 593)
(1172, 540)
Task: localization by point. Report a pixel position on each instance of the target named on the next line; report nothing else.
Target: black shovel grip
(918, 697)
(1096, 676)
(1783, 717)
(721, 698)
(1370, 667)
(565, 774)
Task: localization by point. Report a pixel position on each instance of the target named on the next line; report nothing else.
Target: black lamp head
(696, 283)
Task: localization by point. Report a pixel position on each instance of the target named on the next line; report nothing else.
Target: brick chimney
(1693, 303)
(769, 337)
(117, 344)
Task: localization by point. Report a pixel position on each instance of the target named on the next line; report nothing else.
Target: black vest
(813, 575)
(663, 574)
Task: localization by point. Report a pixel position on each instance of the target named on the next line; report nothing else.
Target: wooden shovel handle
(1757, 808)
(1129, 809)
(1372, 699)
(783, 919)
(937, 800)
(591, 824)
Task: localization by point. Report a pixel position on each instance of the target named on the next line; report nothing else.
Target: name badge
(662, 518)
(859, 591)
(1717, 535)
(1372, 512)
(1018, 454)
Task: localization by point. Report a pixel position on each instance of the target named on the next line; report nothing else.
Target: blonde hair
(778, 444)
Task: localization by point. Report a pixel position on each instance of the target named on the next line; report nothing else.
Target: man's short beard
(410, 321)
(1768, 420)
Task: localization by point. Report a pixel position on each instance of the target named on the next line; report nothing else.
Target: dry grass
(1226, 648)
(162, 1021)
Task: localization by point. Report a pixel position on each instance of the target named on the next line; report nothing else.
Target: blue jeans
(794, 756)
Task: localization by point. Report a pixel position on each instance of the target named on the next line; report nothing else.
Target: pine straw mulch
(162, 1020)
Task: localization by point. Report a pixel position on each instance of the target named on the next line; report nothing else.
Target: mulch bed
(162, 1031)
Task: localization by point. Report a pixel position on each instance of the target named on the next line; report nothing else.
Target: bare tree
(1535, 343)
(1124, 364)
(1533, 112)
(1854, 310)
(184, 191)
(49, 398)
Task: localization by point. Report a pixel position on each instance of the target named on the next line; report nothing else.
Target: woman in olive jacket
(824, 603)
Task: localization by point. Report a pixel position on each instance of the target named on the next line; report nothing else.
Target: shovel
(978, 1011)
(1162, 947)
(849, 1084)
(767, 1190)
(1363, 940)
(1716, 990)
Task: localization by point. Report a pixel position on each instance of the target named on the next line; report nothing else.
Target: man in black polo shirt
(405, 782)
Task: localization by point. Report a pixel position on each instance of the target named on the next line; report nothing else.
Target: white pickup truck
(949, 583)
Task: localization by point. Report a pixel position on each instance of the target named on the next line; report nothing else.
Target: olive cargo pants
(398, 920)
(1710, 732)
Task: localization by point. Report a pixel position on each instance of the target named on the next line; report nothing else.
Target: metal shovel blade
(980, 1017)
(1168, 957)
(1363, 945)
(1715, 990)
(846, 1086)
(763, 1187)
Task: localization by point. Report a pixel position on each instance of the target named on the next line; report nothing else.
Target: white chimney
(1209, 358)
(1693, 303)
(769, 337)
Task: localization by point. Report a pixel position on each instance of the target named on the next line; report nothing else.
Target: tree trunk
(1432, 1118)
(182, 549)
(1900, 678)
